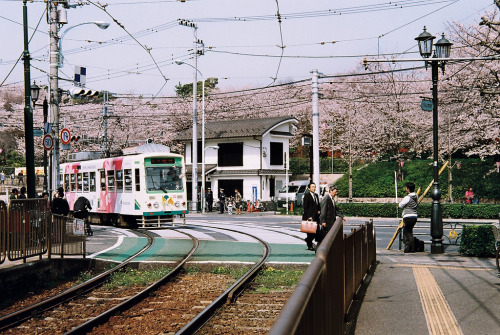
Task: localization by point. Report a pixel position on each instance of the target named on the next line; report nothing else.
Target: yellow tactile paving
(440, 318)
(446, 267)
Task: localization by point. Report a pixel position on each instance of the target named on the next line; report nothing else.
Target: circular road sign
(48, 142)
(65, 136)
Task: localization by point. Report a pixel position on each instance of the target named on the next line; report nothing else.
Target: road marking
(440, 318)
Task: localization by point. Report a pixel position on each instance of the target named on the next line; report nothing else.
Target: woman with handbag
(311, 212)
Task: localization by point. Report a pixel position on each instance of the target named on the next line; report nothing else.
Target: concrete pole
(194, 188)
(315, 119)
(203, 145)
(54, 90)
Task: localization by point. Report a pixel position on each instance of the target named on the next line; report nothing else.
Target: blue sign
(427, 105)
(254, 194)
(37, 132)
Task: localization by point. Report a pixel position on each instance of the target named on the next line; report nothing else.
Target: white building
(252, 157)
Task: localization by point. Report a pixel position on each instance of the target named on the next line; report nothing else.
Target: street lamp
(100, 24)
(443, 48)
(194, 147)
(35, 94)
(215, 147)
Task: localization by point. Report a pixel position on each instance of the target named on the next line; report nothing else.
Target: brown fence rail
(28, 229)
(323, 296)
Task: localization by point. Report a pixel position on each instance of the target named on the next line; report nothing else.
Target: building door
(229, 185)
(272, 187)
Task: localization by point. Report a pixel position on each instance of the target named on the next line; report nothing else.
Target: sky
(246, 45)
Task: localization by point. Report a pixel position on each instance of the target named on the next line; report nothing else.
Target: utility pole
(28, 113)
(315, 119)
(45, 116)
(104, 142)
(54, 90)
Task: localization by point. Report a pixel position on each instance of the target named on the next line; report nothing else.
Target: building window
(230, 154)
(276, 153)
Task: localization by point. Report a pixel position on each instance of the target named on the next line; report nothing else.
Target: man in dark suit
(329, 212)
(311, 211)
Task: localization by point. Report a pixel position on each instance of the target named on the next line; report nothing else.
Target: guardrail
(323, 296)
(28, 229)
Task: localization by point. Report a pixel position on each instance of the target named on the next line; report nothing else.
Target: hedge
(477, 241)
(452, 211)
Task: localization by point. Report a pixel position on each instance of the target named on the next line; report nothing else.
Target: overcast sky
(243, 39)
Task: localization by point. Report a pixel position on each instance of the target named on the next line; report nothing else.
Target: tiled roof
(236, 128)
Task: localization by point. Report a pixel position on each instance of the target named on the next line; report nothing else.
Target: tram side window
(92, 181)
(72, 182)
(85, 182)
(128, 180)
(66, 183)
(119, 180)
(79, 182)
(111, 181)
(137, 180)
(103, 181)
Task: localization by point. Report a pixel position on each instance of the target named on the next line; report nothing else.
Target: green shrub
(452, 211)
(477, 241)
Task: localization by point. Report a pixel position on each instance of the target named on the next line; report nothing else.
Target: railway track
(171, 303)
(38, 311)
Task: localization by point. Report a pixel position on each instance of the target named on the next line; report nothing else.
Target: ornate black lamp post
(443, 48)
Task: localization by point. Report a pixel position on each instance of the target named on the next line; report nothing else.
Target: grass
(135, 277)
(272, 279)
(268, 280)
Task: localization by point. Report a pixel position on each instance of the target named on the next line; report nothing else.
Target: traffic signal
(75, 138)
(80, 92)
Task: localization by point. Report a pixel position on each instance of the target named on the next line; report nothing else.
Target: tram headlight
(149, 205)
(177, 204)
(156, 204)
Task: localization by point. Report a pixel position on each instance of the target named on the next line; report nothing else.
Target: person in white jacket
(409, 204)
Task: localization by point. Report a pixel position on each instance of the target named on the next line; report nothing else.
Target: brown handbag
(308, 226)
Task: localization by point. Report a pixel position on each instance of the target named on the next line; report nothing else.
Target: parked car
(295, 188)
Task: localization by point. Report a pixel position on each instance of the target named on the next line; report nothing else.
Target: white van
(295, 191)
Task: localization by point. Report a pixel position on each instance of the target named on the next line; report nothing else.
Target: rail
(231, 293)
(323, 296)
(13, 319)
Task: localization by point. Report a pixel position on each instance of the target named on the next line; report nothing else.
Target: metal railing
(322, 298)
(28, 229)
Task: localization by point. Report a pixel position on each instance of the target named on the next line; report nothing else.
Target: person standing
(311, 211)
(81, 211)
(23, 193)
(329, 213)
(59, 204)
(210, 199)
(237, 201)
(409, 204)
(2, 177)
(13, 194)
(222, 200)
(469, 196)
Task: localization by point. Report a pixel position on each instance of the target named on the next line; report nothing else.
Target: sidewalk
(422, 293)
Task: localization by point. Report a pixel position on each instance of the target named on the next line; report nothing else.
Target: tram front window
(163, 179)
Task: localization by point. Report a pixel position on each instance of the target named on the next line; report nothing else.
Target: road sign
(48, 142)
(37, 132)
(65, 136)
(427, 105)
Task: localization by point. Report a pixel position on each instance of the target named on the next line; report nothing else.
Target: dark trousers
(309, 239)
(408, 224)
(210, 204)
(221, 207)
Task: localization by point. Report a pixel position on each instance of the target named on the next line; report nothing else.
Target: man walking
(409, 204)
(329, 213)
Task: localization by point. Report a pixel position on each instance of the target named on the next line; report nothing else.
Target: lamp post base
(437, 247)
